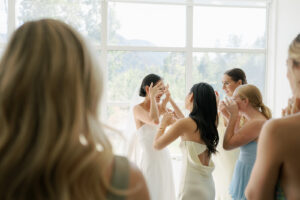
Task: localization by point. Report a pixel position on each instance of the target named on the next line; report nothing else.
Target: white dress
(225, 162)
(196, 181)
(155, 165)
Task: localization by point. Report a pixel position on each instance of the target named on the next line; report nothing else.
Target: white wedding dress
(196, 179)
(155, 164)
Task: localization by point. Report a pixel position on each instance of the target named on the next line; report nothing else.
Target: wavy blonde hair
(294, 51)
(252, 93)
(49, 94)
(294, 58)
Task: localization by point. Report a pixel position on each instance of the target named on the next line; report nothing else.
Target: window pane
(146, 24)
(229, 27)
(3, 21)
(83, 15)
(210, 67)
(127, 69)
(117, 118)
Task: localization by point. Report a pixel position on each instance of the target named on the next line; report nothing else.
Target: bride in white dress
(199, 139)
(155, 165)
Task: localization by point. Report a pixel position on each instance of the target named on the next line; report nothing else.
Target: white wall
(284, 26)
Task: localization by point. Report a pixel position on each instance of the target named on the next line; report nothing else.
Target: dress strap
(120, 177)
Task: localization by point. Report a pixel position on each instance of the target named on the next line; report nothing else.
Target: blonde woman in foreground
(51, 144)
(276, 173)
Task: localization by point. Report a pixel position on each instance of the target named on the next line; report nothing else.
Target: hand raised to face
(231, 106)
(156, 90)
(292, 107)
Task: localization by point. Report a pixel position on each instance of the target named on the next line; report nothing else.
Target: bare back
(191, 135)
(277, 161)
(290, 170)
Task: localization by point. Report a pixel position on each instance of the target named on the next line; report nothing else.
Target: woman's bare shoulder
(279, 128)
(187, 122)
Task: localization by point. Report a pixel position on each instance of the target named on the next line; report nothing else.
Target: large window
(184, 41)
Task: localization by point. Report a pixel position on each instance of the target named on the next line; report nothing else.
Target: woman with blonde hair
(276, 173)
(247, 100)
(51, 144)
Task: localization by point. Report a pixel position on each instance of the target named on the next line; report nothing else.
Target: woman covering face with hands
(246, 101)
(225, 160)
(147, 114)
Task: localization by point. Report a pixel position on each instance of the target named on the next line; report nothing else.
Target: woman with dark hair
(225, 160)
(199, 139)
(155, 165)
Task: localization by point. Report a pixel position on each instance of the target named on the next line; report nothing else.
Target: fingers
(283, 112)
(227, 101)
(217, 94)
(158, 85)
(151, 85)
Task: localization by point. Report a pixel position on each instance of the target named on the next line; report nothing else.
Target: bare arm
(163, 138)
(151, 117)
(154, 113)
(146, 117)
(248, 133)
(168, 98)
(177, 111)
(265, 173)
(242, 136)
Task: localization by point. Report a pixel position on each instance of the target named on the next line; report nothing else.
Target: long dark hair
(205, 114)
(237, 74)
(150, 78)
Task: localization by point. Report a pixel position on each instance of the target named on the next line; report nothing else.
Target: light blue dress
(242, 171)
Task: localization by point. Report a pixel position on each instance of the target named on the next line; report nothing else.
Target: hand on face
(156, 90)
(292, 108)
(231, 106)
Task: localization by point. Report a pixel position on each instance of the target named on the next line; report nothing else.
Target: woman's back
(197, 167)
(288, 129)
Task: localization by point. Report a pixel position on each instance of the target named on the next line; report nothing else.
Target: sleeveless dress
(196, 178)
(224, 162)
(243, 170)
(279, 195)
(155, 165)
(119, 178)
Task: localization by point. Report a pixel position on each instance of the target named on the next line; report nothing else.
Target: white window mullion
(104, 63)
(189, 47)
(11, 17)
(270, 83)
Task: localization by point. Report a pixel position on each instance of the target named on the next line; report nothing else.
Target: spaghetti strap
(119, 178)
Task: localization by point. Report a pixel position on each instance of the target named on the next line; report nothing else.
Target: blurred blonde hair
(49, 94)
(294, 55)
(252, 93)
(294, 51)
